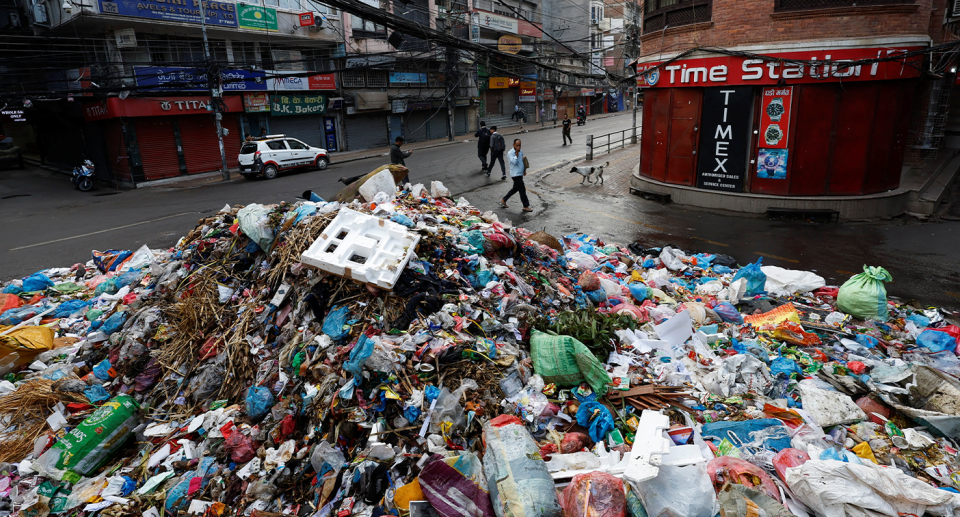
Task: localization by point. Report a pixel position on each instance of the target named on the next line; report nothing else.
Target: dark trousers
(482, 154)
(566, 136)
(518, 187)
(494, 156)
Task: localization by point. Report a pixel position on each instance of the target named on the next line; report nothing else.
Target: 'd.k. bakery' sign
(735, 70)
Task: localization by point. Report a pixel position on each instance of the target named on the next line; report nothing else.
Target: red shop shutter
(201, 150)
(119, 165)
(158, 148)
(232, 142)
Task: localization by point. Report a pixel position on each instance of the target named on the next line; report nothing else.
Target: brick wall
(751, 22)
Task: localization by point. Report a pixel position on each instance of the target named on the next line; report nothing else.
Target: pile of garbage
(405, 353)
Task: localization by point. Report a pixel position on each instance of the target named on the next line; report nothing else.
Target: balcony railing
(809, 5)
(675, 13)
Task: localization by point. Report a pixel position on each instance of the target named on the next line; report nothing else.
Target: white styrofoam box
(649, 446)
(363, 247)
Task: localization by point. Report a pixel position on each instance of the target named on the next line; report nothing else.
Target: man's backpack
(497, 143)
(484, 137)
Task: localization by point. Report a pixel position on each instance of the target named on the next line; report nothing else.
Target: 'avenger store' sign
(735, 70)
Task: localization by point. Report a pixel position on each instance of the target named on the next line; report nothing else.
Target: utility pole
(636, 90)
(452, 68)
(213, 81)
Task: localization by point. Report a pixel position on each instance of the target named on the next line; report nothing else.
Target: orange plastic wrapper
(794, 334)
(789, 417)
(594, 494)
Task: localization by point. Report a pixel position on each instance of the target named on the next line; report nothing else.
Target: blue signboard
(407, 78)
(221, 14)
(195, 79)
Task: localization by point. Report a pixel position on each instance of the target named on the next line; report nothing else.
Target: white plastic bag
(839, 489)
(671, 258)
(380, 182)
(679, 492)
(829, 408)
(438, 190)
(784, 282)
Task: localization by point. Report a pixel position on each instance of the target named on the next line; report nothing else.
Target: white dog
(586, 172)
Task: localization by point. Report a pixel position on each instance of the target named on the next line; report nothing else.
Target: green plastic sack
(864, 295)
(564, 361)
(91, 444)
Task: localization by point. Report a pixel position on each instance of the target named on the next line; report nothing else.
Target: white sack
(784, 282)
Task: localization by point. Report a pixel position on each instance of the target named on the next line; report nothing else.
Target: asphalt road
(47, 223)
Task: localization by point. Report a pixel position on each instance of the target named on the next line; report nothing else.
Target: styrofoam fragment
(363, 247)
(649, 446)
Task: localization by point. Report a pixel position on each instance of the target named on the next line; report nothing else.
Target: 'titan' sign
(724, 128)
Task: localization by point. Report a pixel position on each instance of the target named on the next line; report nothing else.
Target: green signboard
(297, 104)
(256, 17)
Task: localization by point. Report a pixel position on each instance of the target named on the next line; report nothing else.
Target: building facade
(754, 113)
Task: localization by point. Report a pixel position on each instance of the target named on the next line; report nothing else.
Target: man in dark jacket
(483, 145)
(497, 146)
(396, 155)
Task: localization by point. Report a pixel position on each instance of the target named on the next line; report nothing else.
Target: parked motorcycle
(83, 176)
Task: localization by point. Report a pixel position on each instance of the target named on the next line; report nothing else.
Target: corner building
(739, 112)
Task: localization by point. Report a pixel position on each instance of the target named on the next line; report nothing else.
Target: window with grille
(367, 29)
(376, 78)
(352, 78)
(806, 5)
(661, 14)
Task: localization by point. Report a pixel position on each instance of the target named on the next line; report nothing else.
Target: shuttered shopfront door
(437, 126)
(158, 148)
(367, 130)
(232, 141)
(306, 128)
(201, 150)
(415, 125)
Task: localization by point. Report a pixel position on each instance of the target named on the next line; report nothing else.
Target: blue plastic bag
(114, 323)
(128, 278)
(786, 366)
(599, 296)
(96, 393)
(402, 219)
(867, 341)
(649, 263)
(728, 313)
(936, 341)
(430, 393)
(412, 414)
(258, 402)
(639, 291)
(721, 270)
(37, 282)
(333, 324)
(756, 279)
(102, 370)
(845, 456)
(776, 439)
(110, 286)
(305, 211)
(588, 249)
(69, 307)
(919, 320)
(12, 289)
(20, 314)
(598, 425)
(358, 356)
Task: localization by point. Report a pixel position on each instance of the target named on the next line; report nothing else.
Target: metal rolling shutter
(201, 150)
(460, 122)
(119, 162)
(415, 126)
(233, 141)
(366, 131)
(306, 128)
(158, 148)
(437, 126)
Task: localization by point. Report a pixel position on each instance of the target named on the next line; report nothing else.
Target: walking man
(483, 145)
(497, 147)
(518, 169)
(566, 130)
(397, 156)
(516, 112)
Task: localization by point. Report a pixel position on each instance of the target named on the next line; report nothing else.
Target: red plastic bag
(547, 450)
(573, 442)
(589, 281)
(857, 367)
(9, 301)
(594, 494)
(787, 458)
(870, 406)
(727, 469)
(240, 447)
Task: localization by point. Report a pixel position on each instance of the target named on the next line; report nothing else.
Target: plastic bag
(728, 313)
(456, 486)
(595, 494)
(326, 454)
(69, 307)
(240, 447)
(254, 223)
(589, 281)
(334, 323)
(597, 418)
(936, 341)
(679, 492)
(639, 291)
(726, 469)
(740, 501)
(437, 190)
(109, 286)
(788, 458)
(753, 274)
(109, 260)
(564, 361)
(358, 356)
(785, 282)
(11, 301)
(141, 259)
(864, 295)
(520, 484)
(574, 442)
(258, 401)
(114, 322)
(37, 282)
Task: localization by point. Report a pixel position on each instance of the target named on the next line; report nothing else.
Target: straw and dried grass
(24, 411)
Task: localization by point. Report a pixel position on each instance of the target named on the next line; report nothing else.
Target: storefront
(769, 127)
(366, 121)
(147, 139)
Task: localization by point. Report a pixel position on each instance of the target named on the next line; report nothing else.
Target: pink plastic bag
(727, 469)
(594, 494)
(574, 442)
(788, 458)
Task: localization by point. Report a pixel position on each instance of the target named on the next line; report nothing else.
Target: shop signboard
(281, 105)
(285, 81)
(195, 79)
(407, 78)
(114, 107)
(724, 142)
(256, 102)
(498, 23)
(306, 19)
(257, 17)
(772, 164)
(497, 83)
(509, 44)
(775, 116)
(220, 14)
(780, 66)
